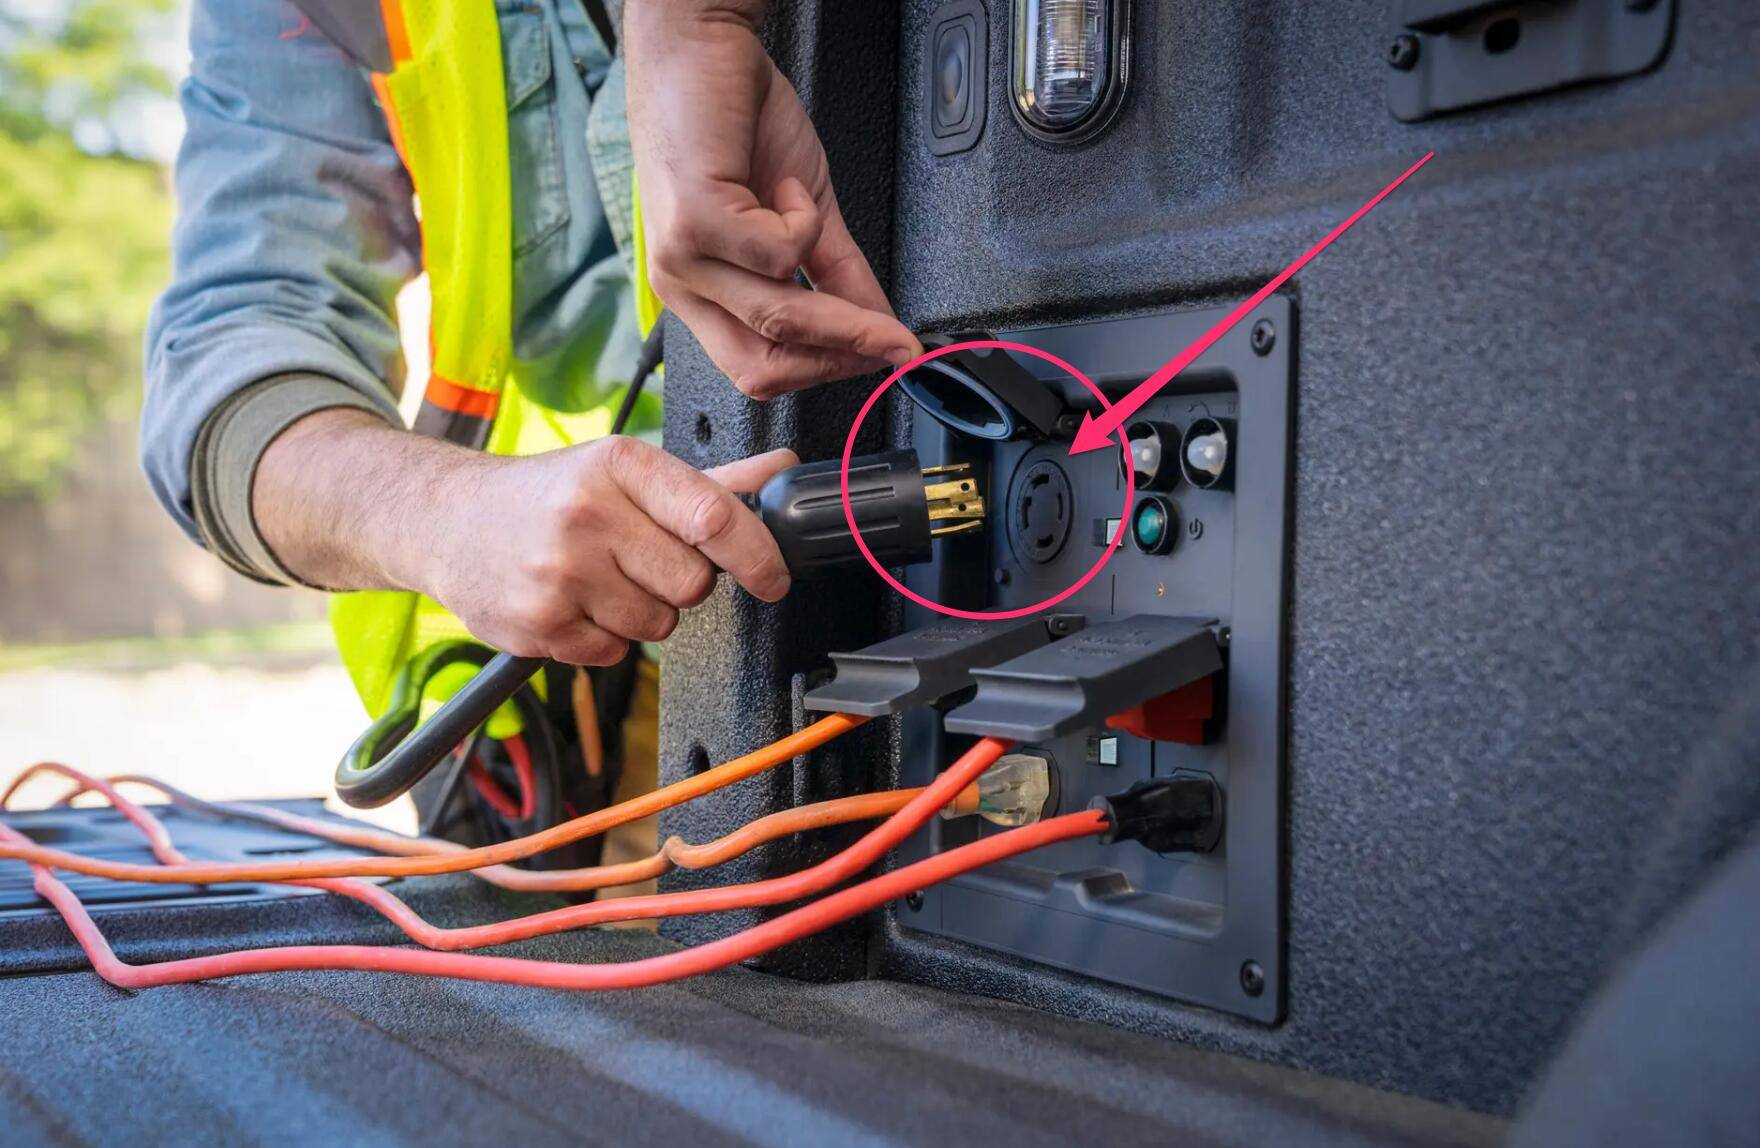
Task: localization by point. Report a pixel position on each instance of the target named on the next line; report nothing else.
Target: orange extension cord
(676, 853)
(388, 905)
(555, 837)
(731, 950)
(773, 891)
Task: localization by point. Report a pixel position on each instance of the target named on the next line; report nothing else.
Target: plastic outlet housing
(1209, 609)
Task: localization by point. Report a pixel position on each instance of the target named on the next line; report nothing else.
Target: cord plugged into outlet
(1179, 814)
(1015, 791)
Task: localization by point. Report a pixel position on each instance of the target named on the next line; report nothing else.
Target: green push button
(1153, 525)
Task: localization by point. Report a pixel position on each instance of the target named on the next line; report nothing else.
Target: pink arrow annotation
(1097, 432)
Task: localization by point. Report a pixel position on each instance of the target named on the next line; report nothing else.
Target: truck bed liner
(735, 1057)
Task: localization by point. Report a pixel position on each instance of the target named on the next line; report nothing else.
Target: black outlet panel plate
(1207, 929)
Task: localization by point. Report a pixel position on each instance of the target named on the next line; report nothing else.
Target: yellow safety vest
(445, 103)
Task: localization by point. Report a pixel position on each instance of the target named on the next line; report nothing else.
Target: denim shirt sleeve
(295, 231)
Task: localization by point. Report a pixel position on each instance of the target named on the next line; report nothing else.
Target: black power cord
(444, 802)
(653, 350)
(600, 16)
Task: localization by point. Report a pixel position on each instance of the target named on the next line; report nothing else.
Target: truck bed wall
(1526, 495)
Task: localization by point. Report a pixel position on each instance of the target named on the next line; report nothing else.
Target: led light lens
(1204, 454)
(1154, 454)
(1069, 63)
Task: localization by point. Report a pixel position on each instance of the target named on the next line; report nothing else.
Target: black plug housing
(899, 506)
(1180, 814)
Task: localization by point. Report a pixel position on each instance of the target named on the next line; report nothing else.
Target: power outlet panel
(1204, 928)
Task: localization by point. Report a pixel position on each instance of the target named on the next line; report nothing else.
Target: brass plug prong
(955, 504)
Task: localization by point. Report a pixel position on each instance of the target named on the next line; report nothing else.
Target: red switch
(1179, 715)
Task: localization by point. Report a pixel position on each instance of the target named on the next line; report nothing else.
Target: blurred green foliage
(84, 225)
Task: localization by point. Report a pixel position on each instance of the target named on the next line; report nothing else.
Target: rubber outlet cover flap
(1081, 681)
(924, 665)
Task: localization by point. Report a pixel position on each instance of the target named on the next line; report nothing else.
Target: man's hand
(575, 553)
(736, 197)
(570, 555)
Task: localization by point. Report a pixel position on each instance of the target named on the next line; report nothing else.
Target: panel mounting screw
(1403, 52)
(1063, 625)
(1264, 337)
(1252, 978)
(914, 902)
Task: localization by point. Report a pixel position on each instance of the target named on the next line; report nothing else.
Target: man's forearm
(568, 554)
(348, 502)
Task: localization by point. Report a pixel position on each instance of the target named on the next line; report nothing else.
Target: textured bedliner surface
(735, 1057)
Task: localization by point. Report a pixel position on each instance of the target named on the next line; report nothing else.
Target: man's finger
(748, 474)
(586, 644)
(757, 366)
(785, 313)
(663, 566)
(625, 610)
(837, 266)
(703, 514)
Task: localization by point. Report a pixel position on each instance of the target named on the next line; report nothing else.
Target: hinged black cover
(1085, 679)
(984, 393)
(924, 665)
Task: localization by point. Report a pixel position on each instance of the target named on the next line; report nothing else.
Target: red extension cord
(835, 870)
(795, 886)
(742, 946)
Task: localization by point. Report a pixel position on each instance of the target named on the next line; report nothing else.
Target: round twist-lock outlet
(1040, 511)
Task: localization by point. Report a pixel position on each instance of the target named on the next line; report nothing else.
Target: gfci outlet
(1204, 539)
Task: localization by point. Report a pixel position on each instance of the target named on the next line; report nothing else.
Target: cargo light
(1071, 63)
